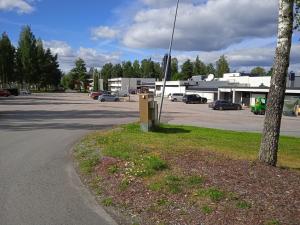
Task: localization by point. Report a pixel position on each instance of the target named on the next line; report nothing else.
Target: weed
(213, 193)
(195, 180)
(243, 205)
(157, 186)
(113, 169)
(107, 202)
(162, 202)
(155, 163)
(173, 183)
(272, 222)
(87, 164)
(206, 209)
(124, 185)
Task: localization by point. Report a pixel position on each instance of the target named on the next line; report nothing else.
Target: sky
(118, 30)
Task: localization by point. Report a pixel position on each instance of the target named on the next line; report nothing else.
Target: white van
(176, 97)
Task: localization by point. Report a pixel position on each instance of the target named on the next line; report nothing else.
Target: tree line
(147, 68)
(29, 65)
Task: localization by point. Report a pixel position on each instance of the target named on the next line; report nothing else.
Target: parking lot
(173, 112)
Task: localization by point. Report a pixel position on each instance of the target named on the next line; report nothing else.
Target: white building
(172, 87)
(122, 84)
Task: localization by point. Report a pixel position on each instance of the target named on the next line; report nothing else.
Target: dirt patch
(232, 191)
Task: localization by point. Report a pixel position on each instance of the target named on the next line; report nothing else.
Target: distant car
(224, 105)
(194, 99)
(176, 97)
(95, 95)
(108, 98)
(25, 92)
(4, 93)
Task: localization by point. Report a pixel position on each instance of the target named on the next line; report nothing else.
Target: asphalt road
(38, 184)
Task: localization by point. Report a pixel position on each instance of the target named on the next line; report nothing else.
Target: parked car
(176, 97)
(108, 98)
(194, 99)
(95, 95)
(25, 92)
(4, 93)
(223, 105)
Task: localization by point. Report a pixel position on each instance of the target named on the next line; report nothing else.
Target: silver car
(108, 98)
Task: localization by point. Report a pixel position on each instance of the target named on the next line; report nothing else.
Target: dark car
(4, 93)
(223, 105)
(194, 99)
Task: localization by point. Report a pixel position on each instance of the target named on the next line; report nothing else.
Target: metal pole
(167, 66)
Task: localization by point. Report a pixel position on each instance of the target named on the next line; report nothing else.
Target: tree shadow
(171, 130)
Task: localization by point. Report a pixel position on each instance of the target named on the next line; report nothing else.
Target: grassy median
(206, 171)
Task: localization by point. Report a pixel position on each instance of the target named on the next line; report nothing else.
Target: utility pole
(167, 66)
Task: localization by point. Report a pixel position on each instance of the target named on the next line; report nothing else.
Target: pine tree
(136, 68)
(27, 56)
(7, 54)
(187, 69)
(222, 66)
(199, 67)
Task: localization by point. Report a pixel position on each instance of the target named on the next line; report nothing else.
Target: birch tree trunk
(271, 131)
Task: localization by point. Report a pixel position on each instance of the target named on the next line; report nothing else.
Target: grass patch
(130, 143)
(173, 183)
(272, 222)
(213, 193)
(206, 209)
(107, 202)
(113, 169)
(195, 180)
(243, 204)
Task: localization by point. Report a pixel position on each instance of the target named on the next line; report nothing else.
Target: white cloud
(67, 55)
(103, 32)
(214, 25)
(21, 6)
(243, 59)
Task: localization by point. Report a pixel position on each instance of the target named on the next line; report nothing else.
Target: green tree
(177, 76)
(127, 69)
(106, 73)
(222, 66)
(66, 81)
(187, 69)
(117, 70)
(136, 68)
(199, 67)
(210, 69)
(269, 73)
(96, 82)
(174, 67)
(79, 74)
(147, 68)
(259, 71)
(157, 71)
(27, 56)
(7, 54)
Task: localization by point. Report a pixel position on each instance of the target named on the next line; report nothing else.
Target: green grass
(213, 193)
(272, 222)
(107, 202)
(242, 204)
(130, 143)
(206, 209)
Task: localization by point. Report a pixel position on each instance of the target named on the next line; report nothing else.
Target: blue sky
(115, 30)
